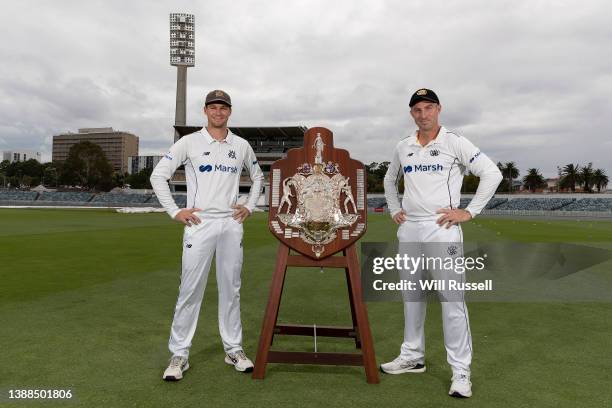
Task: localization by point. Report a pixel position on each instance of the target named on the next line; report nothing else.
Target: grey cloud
(529, 84)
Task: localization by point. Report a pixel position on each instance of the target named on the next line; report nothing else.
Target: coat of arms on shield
(318, 197)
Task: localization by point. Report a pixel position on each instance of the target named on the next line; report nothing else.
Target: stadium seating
(65, 196)
(18, 195)
(377, 202)
(179, 199)
(531, 204)
(380, 202)
(495, 202)
(590, 204)
(121, 198)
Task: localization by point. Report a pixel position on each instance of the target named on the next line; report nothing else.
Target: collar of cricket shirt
(209, 139)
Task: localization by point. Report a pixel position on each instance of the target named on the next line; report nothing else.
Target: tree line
(86, 167)
(571, 176)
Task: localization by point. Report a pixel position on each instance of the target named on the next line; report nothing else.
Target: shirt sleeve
(390, 184)
(481, 166)
(257, 177)
(164, 171)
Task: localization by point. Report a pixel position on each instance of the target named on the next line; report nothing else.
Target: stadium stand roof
(256, 133)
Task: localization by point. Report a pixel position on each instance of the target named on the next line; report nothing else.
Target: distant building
(116, 145)
(552, 184)
(138, 163)
(20, 155)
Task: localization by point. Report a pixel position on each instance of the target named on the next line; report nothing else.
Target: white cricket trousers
(222, 236)
(456, 326)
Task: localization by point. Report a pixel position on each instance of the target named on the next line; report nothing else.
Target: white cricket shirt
(212, 170)
(433, 175)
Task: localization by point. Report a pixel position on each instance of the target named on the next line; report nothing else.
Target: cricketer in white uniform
(213, 158)
(433, 162)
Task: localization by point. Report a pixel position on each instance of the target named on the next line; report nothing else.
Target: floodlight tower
(182, 55)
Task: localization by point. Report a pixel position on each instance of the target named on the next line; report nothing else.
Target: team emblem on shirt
(434, 152)
(452, 250)
(231, 154)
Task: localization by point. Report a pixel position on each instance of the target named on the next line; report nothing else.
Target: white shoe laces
(176, 362)
(462, 378)
(240, 354)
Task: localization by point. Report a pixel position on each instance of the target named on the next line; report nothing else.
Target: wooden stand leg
(269, 321)
(351, 303)
(360, 329)
(361, 314)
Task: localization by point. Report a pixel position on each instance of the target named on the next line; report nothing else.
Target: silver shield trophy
(317, 187)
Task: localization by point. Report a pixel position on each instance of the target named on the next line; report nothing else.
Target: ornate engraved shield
(317, 197)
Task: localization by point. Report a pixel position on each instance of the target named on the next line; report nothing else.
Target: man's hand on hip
(187, 216)
(400, 217)
(452, 217)
(240, 212)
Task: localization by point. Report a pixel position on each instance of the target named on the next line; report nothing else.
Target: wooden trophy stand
(317, 140)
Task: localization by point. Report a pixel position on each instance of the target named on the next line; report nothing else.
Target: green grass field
(87, 296)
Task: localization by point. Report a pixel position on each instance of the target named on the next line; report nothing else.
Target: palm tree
(586, 177)
(509, 171)
(600, 179)
(569, 177)
(533, 179)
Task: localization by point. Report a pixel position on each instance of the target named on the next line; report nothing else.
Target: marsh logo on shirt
(207, 168)
(423, 168)
(226, 169)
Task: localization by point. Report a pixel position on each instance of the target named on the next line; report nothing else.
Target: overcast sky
(525, 80)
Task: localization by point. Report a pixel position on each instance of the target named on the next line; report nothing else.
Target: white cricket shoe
(178, 365)
(400, 365)
(240, 361)
(461, 386)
